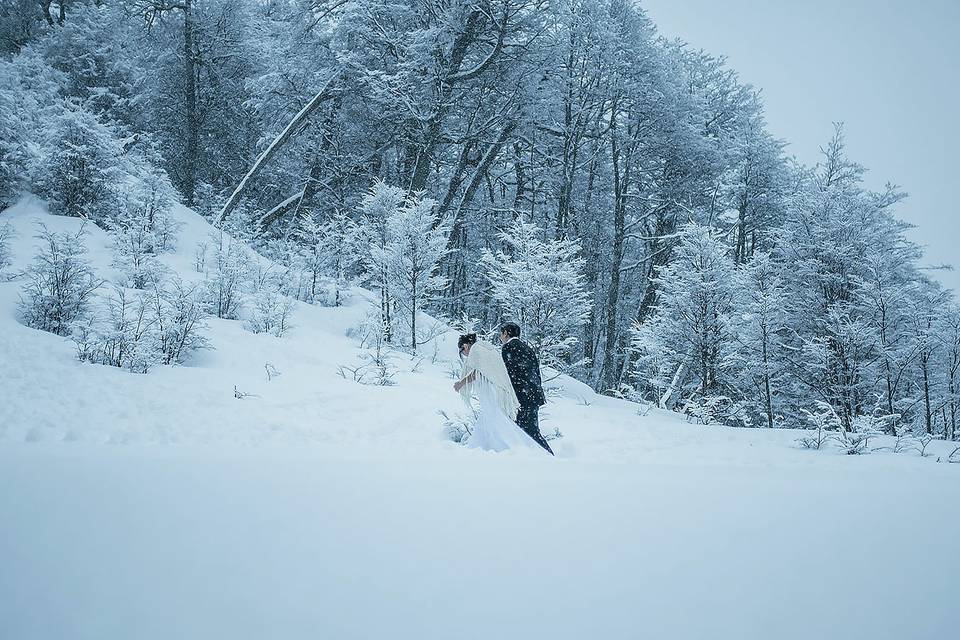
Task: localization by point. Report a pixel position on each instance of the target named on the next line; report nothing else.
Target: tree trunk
(190, 100)
(953, 405)
(610, 369)
(928, 418)
(768, 400)
(413, 316)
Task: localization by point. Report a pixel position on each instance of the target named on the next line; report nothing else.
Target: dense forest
(555, 162)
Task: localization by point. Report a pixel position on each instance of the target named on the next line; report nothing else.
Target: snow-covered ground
(162, 506)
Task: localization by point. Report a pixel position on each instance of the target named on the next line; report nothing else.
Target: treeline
(702, 268)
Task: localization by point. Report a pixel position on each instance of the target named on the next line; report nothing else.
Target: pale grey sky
(888, 69)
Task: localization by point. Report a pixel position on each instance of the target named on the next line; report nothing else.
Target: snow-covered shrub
(144, 228)
(227, 272)
(136, 247)
(180, 314)
(270, 312)
(864, 428)
(717, 410)
(380, 361)
(457, 427)
(60, 284)
(824, 423)
(269, 305)
(6, 234)
(143, 329)
(79, 174)
(125, 339)
(377, 368)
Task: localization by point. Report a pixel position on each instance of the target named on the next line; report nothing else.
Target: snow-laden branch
(270, 216)
(271, 150)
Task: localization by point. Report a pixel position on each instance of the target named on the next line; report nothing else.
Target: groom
(524, 370)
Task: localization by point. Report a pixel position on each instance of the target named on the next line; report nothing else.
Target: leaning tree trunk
(282, 138)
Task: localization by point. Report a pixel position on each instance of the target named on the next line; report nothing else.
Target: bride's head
(466, 341)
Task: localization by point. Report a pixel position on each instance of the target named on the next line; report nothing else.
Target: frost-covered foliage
(144, 231)
(180, 316)
(416, 243)
(540, 284)
(377, 359)
(28, 98)
(691, 329)
(79, 175)
(227, 273)
(60, 284)
(270, 312)
(141, 329)
(329, 259)
(123, 338)
(823, 425)
(378, 206)
(405, 242)
(6, 234)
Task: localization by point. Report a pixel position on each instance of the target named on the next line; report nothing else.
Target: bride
(485, 375)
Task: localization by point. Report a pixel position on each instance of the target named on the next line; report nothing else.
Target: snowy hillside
(165, 506)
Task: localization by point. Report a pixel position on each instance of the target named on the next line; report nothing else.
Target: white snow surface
(161, 506)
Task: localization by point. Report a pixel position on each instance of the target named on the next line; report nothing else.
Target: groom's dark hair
(511, 328)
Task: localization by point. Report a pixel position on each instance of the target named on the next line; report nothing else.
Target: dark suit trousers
(528, 419)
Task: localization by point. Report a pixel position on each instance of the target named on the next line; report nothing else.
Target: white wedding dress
(494, 429)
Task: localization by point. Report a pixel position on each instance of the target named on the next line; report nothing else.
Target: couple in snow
(507, 383)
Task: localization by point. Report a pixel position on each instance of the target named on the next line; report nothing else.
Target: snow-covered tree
(332, 252)
(950, 349)
(539, 284)
(381, 203)
(756, 324)
(690, 330)
(416, 243)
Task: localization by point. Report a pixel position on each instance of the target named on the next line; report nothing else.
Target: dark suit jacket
(524, 370)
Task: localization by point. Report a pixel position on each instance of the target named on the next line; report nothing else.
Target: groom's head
(509, 330)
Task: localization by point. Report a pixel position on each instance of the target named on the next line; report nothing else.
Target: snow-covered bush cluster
(240, 284)
(127, 328)
(141, 329)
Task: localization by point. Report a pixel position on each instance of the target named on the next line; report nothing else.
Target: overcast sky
(888, 69)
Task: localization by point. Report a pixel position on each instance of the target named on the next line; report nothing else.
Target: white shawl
(487, 361)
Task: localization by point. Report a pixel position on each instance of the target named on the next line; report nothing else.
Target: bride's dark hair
(467, 338)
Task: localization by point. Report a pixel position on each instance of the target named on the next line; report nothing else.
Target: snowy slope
(161, 506)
